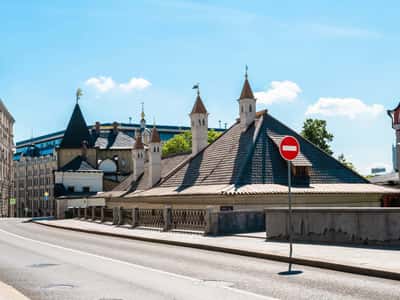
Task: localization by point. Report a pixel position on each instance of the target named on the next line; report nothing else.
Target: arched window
(204, 123)
(241, 107)
(250, 108)
(199, 122)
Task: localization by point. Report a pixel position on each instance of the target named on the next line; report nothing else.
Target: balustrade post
(135, 217)
(102, 214)
(120, 216)
(211, 219)
(167, 215)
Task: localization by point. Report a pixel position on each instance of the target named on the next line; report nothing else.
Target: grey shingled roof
(78, 164)
(110, 140)
(252, 157)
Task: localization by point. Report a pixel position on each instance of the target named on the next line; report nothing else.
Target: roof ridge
(191, 157)
(250, 153)
(319, 149)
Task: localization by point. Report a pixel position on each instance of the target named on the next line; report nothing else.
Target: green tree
(344, 161)
(315, 131)
(182, 142)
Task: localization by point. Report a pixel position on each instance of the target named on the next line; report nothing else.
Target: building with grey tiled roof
(243, 168)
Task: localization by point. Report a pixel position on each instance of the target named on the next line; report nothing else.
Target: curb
(280, 258)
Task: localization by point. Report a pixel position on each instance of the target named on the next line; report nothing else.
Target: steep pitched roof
(198, 107)
(167, 165)
(252, 157)
(78, 164)
(155, 136)
(77, 131)
(246, 93)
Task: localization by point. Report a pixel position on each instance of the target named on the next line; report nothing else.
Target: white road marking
(289, 148)
(135, 265)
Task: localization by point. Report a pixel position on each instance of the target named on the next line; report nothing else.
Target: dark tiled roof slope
(77, 131)
(252, 157)
(198, 107)
(78, 164)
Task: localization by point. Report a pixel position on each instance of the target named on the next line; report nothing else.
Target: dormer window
(301, 171)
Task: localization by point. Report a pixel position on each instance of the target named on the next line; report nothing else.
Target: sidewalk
(9, 293)
(377, 262)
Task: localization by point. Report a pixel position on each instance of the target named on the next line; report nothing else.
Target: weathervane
(197, 87)
(246, 69)
(79, 94)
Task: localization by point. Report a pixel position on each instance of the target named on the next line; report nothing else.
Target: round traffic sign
(289, 147)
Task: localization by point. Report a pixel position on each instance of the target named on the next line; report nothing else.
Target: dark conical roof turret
(77, 131)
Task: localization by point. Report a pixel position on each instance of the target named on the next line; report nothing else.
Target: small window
(241, 107)
(71, 189)
(204, 123)
(301, 171)
(250, 108)
(86, 189)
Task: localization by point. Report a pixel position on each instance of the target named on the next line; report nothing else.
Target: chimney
(154, 158)
(138, 156)
(199, 124)
(84, 150)
(115, 127)
(97, 127)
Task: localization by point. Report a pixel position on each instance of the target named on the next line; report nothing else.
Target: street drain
(59, 286)
(218, 283)
(42, 265)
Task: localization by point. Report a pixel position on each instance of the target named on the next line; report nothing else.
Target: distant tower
(394, 114)
(142, 119)
(154, 157)
(138, 156)
(247, 105)
(199, 123)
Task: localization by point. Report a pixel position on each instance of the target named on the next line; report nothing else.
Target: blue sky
(336, 60)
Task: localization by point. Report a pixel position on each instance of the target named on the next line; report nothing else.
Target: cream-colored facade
(6, 159)
(34, 183)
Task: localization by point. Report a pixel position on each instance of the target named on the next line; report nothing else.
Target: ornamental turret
(154, 157)
(138, 156)
(247, 105)
(199, 125)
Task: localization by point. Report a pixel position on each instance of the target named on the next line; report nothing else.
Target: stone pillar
(135, 217)
(167, 218)
(102, 214)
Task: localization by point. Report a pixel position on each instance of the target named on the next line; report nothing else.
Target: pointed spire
(198, 107)
(138, 143)
(247, 93)
(77, 131)
(155, 136)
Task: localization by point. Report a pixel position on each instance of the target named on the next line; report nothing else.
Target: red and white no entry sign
(289, 147)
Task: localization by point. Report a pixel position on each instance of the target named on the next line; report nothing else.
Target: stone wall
(370, 226)
(240, 221)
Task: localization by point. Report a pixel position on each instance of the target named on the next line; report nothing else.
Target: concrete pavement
(49, 263)
(380, 262)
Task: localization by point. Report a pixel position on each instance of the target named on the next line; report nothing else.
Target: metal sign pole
(290, 216)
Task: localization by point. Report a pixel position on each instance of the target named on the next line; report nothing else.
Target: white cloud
(102, 84)
(345, 107)
(135, 83)
(279, 91)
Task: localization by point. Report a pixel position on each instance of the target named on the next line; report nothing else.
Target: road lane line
(135, 265)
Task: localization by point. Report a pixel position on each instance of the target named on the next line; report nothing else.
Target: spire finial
(246, 69)
(79, 94)
(142, 114)
(154, 121)
(197, 87)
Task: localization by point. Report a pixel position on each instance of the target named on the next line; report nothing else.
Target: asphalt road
(49, 263)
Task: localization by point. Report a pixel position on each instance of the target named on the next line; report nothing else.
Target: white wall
(78, 180)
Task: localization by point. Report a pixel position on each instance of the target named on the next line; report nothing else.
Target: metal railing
(188, 219)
